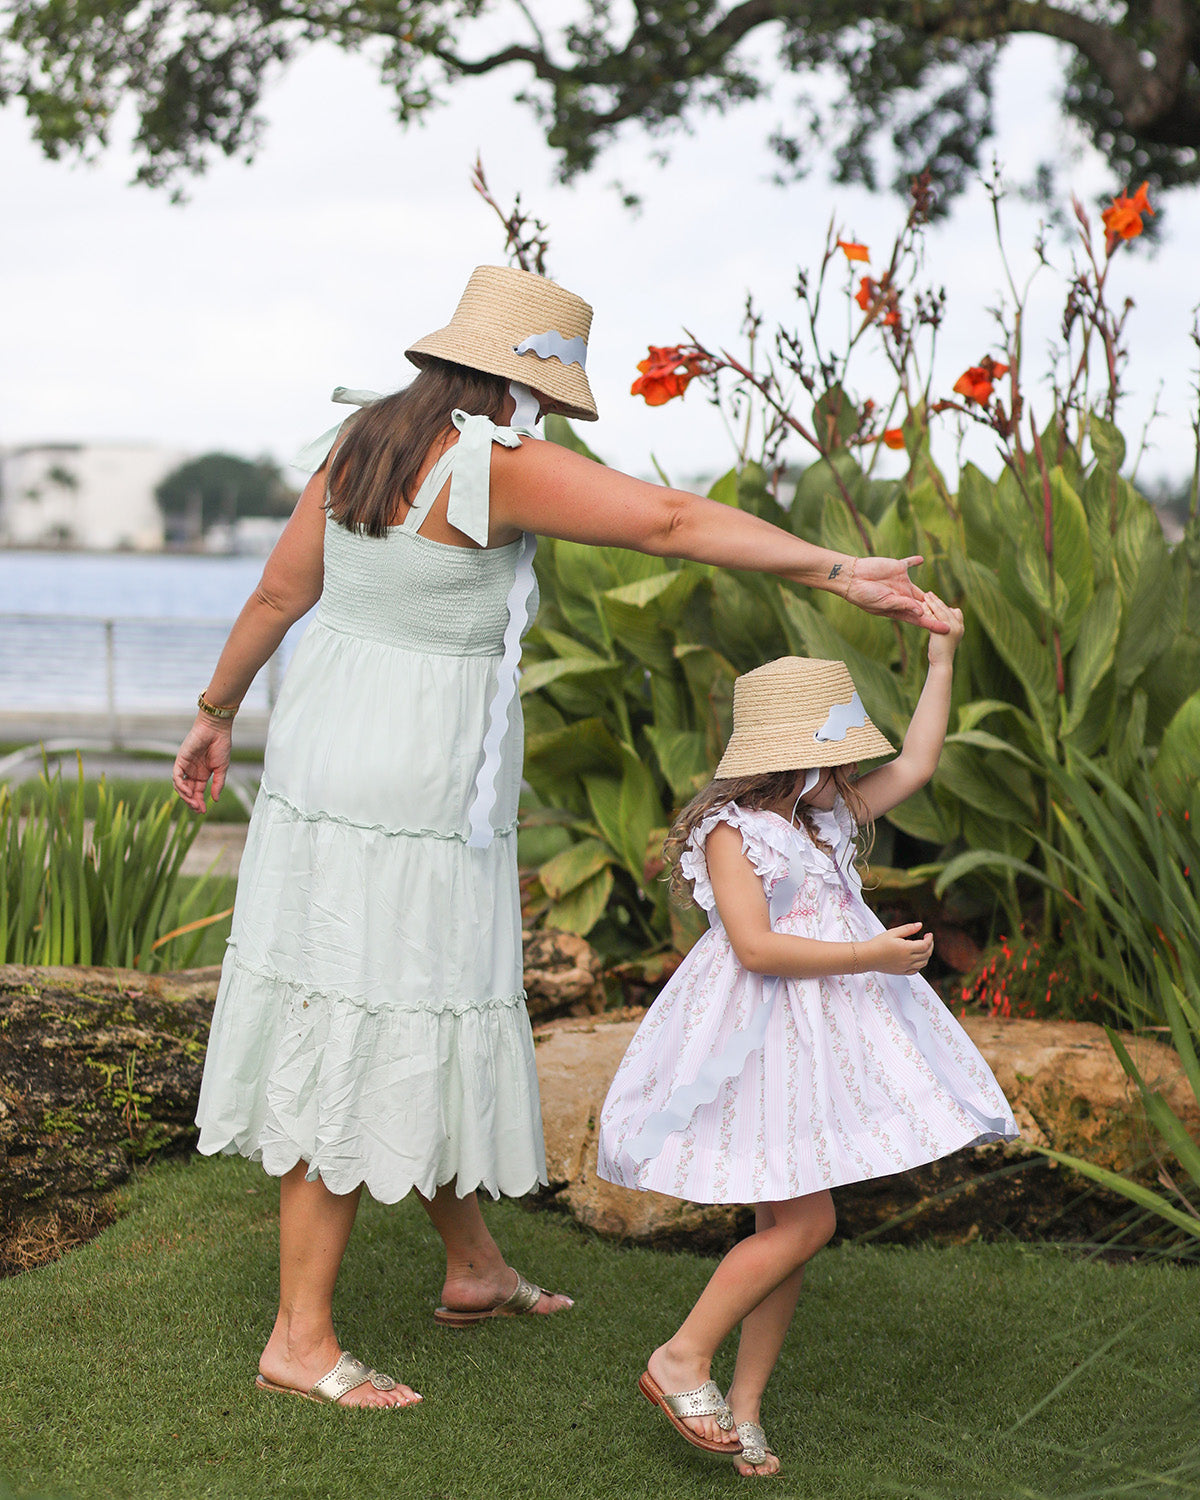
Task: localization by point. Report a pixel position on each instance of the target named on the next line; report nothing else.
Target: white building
(98, 496)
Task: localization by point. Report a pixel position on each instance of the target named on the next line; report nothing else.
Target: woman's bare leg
(753, 1270)
(477, 1276)
(764, 1329)
(314, 1228)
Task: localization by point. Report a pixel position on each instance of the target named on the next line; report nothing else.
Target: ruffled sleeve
(767, 843)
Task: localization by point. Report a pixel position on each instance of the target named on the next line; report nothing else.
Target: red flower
(1123, 217)
(976, 383)
(868, 290)
(853, 251)
(667, 373)
(893, 437)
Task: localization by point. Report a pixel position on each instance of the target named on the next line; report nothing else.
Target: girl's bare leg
(746, 1277)
(314, 1227)
(477, 1276)
(763, 1332)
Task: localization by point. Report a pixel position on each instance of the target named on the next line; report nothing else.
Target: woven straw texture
(501, 307)
(778, 710)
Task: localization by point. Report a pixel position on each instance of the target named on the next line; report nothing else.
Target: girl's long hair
(379, 460)
(771, 790)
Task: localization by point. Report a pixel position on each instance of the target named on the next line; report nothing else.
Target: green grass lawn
(978, 1373)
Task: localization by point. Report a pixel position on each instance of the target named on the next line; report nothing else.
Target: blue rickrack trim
(317, 992)
(317, 816)
(479, 814)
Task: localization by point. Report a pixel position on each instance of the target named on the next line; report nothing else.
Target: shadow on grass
(989, 1372)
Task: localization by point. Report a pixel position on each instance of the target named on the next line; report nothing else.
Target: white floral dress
(747, 1088)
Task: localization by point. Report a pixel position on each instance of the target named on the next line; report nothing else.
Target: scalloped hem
(277, 1163)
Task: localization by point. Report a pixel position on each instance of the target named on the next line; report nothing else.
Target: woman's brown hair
(770, 790)
(380, 458)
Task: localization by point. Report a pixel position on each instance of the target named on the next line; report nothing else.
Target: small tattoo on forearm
(835, 570)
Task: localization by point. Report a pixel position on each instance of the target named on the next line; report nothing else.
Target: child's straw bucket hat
(512, 323)
(795, 714)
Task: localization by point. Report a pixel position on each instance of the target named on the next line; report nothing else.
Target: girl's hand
(898, 951)
(943, 647)
(881, 586)
(204, 753)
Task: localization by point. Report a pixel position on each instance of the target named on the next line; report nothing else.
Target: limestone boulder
(1067, 1089)
(562, 975)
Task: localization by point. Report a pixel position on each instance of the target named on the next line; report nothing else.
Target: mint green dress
(370, 1019)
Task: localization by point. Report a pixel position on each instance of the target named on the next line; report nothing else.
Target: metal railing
(111, 668)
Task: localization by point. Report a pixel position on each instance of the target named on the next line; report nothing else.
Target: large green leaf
(1072, 555)
(1026, 657)
(988, 782)
(1177, 765)
(1093, 653)
(583, 746)
(582, 908)
(568, 870)
(980, 513)
(639, 812)
(682, 758)
(540, 674)
(921, 818)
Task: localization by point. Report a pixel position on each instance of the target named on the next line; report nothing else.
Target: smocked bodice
(405, 590)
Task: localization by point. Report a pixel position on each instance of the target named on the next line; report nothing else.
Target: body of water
(141, 632)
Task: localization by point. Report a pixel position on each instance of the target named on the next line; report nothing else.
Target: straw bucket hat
(795, 714)
(512, 323)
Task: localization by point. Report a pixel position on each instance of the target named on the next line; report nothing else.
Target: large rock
(99, 1069)
(1068, 1093)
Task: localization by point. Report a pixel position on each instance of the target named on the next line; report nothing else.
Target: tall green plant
(1131, 872)
(107, 893)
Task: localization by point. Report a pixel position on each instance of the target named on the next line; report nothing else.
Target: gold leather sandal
(755, 1448)
(347, 1375)
(705, 1401)
(522, 1299)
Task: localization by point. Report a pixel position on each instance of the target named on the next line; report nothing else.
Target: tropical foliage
(103, 891)
(1082, 652)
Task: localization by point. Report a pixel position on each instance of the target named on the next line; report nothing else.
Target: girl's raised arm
(550, 490)
(890, 784)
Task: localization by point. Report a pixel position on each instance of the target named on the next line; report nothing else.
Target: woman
(369, 1028)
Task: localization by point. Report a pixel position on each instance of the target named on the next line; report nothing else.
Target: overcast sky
(225, 323)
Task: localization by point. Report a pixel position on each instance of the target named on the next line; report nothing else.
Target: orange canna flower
(893, 437)
(854, 251)
(666, 374)
(1123, 218)
(976, 383)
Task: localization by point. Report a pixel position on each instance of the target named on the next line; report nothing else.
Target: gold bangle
(854, 956)
(214, 710)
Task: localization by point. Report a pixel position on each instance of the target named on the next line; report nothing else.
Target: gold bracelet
(214, 710)
(854, 956)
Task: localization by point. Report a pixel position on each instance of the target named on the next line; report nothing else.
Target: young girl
(796, 1048)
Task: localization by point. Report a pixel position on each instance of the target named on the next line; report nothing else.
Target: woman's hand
(881, 586)
(204, 753)
(897, 951)
(943, 647)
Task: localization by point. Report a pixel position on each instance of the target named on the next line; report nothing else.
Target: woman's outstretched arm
(550, 490)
